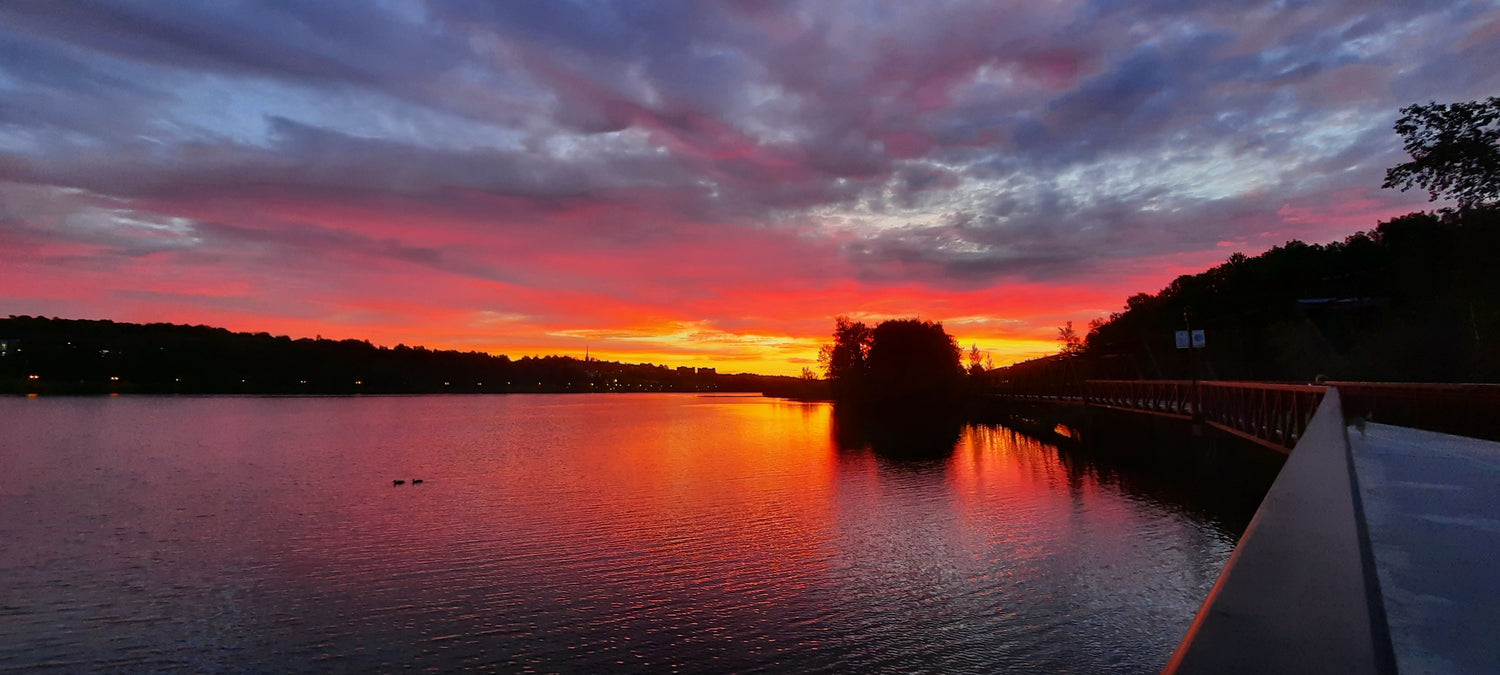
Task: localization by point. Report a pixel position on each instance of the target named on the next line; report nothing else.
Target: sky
(690, 183)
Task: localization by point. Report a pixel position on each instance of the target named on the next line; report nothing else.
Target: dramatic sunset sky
(701, 184)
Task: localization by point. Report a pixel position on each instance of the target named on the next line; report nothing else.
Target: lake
(573, 533)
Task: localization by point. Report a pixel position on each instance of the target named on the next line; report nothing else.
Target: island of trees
(898, 362)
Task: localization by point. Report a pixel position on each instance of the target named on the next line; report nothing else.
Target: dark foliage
(1455, 150)
(73, 356)
(843, 361)
(910, 358)
(1417, 299)
(905, 362)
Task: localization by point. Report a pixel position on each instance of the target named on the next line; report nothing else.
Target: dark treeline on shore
(63, 356)
(1416, 299)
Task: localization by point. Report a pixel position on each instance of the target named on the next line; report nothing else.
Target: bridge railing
(1274, 415)
(1463, 409)
(1164, 397)
(1034, 392)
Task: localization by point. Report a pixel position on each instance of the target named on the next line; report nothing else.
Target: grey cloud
(308, 243)
(763, 111)
(302, 41)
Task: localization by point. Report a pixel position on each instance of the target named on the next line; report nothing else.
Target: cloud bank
(702, 183)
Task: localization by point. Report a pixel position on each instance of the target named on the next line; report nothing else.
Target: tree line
(50, 355)
(1415, 299)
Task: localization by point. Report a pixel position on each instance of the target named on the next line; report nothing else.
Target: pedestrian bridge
(1372, 551)
(1276, 415)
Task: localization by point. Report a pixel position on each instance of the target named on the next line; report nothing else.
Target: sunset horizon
(702, 185)
(749, 336)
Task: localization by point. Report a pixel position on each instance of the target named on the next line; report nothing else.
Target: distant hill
(42, 355)
(1415, 299)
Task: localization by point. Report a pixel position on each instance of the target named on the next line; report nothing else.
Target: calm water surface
(630, 533)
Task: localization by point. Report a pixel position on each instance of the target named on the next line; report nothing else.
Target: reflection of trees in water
(1224, 483)
(1224, 487)
(905, 434)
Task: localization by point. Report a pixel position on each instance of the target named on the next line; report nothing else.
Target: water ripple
(586, 534)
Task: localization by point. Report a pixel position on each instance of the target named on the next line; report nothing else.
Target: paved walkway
(1432, 509)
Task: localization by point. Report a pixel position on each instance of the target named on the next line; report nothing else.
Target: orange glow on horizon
(738, 300)
(736, 329)
(783, 355)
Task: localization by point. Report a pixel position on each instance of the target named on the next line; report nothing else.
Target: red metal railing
(1037, 392)
(1274, 415)
(1277, 415)
(1173, 398)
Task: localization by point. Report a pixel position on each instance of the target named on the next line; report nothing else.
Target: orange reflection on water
(1034, 499)
(685, 490)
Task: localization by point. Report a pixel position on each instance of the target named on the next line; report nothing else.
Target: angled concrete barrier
(1295, 597)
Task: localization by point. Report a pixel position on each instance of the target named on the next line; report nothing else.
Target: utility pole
(1193, 365)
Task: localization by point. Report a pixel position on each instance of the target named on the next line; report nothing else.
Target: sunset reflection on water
(576, 533)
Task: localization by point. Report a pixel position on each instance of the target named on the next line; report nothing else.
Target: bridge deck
(1432, 509)
(1373, 552)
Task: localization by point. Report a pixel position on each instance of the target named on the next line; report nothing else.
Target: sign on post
(1195, 340)
(1182, 339)
(1199, 340)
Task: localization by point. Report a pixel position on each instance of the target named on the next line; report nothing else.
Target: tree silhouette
(912, 359)
(1455, 150)
(900, 359)
(1068, 336)
(976, 359)
(1414, 299)
(844, 360)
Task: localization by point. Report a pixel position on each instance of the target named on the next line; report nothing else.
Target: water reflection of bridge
(1369, 553)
